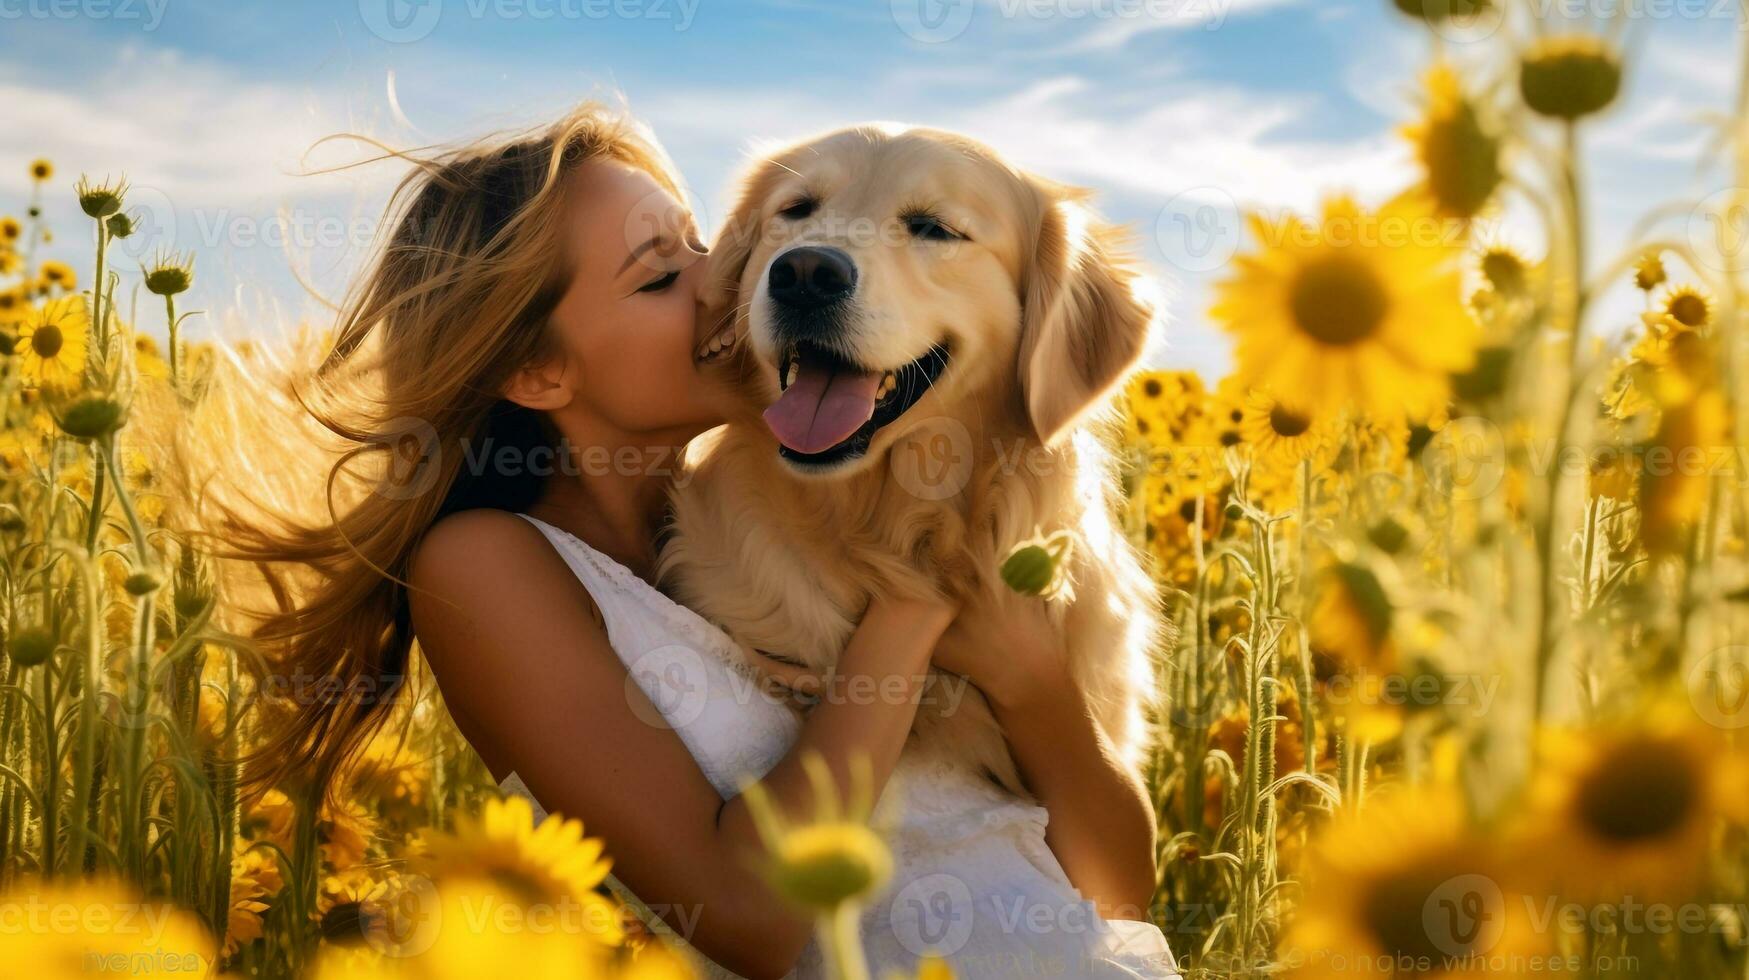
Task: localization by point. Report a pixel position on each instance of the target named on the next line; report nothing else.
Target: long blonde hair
(455, 301)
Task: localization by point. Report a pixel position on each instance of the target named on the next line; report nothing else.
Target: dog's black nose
(811, 277)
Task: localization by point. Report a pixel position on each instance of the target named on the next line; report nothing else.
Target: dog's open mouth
(831, 408)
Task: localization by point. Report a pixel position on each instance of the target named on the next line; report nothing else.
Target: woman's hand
(1010, 651)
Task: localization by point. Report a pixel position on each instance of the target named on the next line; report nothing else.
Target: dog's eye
(929, 228)
(800, 209)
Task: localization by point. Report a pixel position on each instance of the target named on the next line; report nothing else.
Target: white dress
(973, 879)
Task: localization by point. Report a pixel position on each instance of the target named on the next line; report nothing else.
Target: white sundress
(973, 881)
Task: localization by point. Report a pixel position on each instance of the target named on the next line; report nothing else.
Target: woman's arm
(1102, 823)
(525, 666)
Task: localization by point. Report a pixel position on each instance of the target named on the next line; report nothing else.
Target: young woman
(535, 311)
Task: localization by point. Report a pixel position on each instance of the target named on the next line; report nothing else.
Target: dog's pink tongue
(822, 408)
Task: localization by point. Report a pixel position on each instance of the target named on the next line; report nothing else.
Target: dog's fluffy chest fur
(786, 566)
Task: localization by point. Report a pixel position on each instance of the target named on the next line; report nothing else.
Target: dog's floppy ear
(734, 245)
(1082, 326)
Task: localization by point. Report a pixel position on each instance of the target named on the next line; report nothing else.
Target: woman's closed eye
(661, 282)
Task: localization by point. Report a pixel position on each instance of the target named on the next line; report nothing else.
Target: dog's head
(880, 276)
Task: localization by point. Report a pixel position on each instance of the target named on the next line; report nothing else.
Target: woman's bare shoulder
(485, 554)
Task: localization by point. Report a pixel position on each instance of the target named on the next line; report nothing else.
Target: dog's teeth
(726, 338)
(790, 379)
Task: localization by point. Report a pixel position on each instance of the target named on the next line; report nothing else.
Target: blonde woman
(536, 311)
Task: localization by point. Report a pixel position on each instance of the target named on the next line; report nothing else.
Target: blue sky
(1176, 112)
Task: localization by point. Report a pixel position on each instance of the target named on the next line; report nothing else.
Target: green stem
(99, 322)
(51, 764)
(175, 373)
(1548, 549)
(841, 943)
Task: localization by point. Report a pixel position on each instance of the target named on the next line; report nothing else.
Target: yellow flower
(1566, 76)
(51, 342)
(1630, 811)
(13, 306)
(1362, 310)
(1505, 269)
(548, 864)
(1352, 616)
(62, 929)
(59, 275)
(1649, 272)
(1688, 306)
(1459, 153)
(1282, 432)
(1403, 890)
(10, 229)
(469, 926)
(1691, 446)
(273, 817)
(345, 834)
(41, 169)
(827, 864)
(255, 880)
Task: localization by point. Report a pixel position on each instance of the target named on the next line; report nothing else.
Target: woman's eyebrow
(636, 253)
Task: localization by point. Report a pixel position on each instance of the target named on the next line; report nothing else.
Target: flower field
(1459, 566)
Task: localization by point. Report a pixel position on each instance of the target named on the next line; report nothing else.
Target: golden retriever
(919, 330)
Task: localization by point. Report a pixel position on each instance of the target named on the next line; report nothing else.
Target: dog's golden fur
(1039, 309)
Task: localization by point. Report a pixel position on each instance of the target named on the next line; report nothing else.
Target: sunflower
(13, 306)
(824, 865)
(469, 927)
(1506, 270)
(110, 921)
(41, 169)
(255, 880)
(1404, 890)
(1688, 306)
(1567, 76)
(548, 864)
(1649, 272)
(1282, 432)
(1631, 810)
(1458, 150)
(10, 229)
(1159, 403)
(58, 275)
(51, 342)
(1691, 444)
(1360, 310)
(1352, 616)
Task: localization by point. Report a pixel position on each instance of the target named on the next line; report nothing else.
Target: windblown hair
(457, 299)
